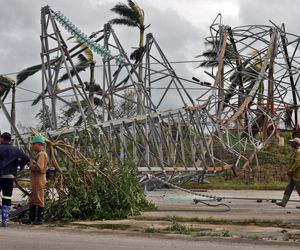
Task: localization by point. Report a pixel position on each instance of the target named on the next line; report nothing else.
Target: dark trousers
(6, 187)
(290, 187)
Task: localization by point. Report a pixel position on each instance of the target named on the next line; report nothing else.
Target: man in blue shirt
(10, 159)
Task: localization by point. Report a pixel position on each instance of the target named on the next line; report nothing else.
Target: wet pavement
(246, 214)
(235, 205)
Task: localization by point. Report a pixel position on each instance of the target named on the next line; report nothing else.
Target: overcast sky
(179, 26)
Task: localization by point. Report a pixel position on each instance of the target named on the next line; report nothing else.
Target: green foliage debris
(89, 195)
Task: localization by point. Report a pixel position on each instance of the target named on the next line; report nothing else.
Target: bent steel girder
(169, 141)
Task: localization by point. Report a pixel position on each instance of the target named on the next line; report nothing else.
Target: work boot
(32, 215)
(284, 201)
(5, 213)
(39, 218)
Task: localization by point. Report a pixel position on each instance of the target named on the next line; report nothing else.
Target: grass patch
(269, 175)
(258, 222)
(105, 226)
(112, 226)
(178, 228)
(152, 230)
(211, 220)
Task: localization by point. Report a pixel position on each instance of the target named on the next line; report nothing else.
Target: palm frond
(4, 94)
(139, 12)
(79, 121)
(87, 51)
(82, 59)
(249, 76)
(6, 81)
(98, 102)
(24, 74)
(39, 97)
(137, 53)
(81, 66)
(131, 4)
(124, 21)
(126, 11)
(5, 85)
(89, 54)
(211, 54)
(208, 63)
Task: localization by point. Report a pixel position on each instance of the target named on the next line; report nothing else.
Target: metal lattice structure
(257, 71)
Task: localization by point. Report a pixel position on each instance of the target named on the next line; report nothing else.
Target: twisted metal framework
(257, 76)
(256, 82)
(257, 73)
(182, 139)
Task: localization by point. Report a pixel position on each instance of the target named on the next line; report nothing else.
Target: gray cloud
(278, 11)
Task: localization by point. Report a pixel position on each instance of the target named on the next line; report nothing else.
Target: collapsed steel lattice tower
(233, 118)
(175, 140)
(257, 75)
(195, 136)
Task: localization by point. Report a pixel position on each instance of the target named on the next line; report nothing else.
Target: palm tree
(85, 60)
(251, 69)
(133, 15)
(25, 73)
(212, 56)
(7, 84)
(212, 60)
(245, 82)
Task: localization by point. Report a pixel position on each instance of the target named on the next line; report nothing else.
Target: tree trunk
(91, 91)
(13, 108)
(140, 96)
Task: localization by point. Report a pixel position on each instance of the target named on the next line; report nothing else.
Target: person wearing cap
(38, 168)
(293, 173)
(10, 159)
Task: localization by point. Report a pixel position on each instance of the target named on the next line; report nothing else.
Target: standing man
(293, 173)
(10, 158)
(38, 168)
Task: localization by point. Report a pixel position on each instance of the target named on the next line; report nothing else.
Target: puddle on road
(111, 226)
(175, 197)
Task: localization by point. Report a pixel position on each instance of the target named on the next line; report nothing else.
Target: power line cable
(101, 65)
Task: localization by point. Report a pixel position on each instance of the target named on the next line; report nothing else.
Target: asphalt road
(36, 238)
